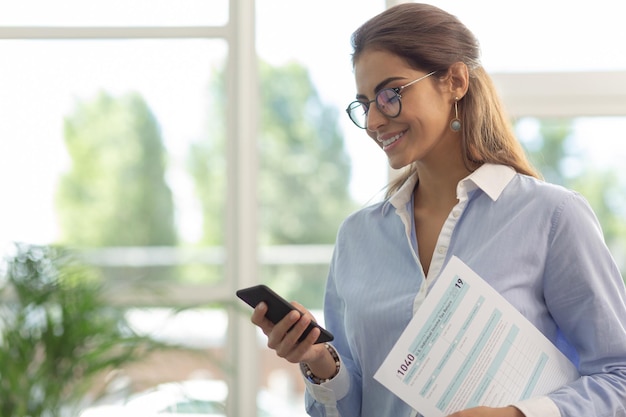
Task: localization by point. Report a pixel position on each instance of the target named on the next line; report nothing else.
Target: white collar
(490, 178)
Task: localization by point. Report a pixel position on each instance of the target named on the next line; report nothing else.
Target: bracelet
(314, 379)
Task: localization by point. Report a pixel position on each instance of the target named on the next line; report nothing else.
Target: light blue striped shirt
(538, 244)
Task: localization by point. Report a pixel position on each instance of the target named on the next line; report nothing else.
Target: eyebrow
(381, 85)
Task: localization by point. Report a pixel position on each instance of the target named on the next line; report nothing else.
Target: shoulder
(525, 186)
(366, 215)
(561, 204)
(367, 220)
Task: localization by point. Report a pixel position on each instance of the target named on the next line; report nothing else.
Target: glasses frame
(366, 104)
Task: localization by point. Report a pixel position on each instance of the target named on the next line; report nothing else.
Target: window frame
(241, 260)
(524, 94)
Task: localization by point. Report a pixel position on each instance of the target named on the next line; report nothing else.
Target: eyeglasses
(387, 102)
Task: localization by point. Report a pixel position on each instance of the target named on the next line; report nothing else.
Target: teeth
(391, 140)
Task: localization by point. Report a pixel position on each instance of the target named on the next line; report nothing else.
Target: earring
(455, 124)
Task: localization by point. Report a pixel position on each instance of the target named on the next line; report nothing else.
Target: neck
(437, 187)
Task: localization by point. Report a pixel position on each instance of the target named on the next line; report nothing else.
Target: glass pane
(585, 154)
(315, 166)
(114, 13)
(324, 52)
(102, 144)
(545, 35)
(303, 283)
(187, 380)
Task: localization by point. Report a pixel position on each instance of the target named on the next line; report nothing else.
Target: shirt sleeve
(538, 407)
(323, 397)
(584, 293)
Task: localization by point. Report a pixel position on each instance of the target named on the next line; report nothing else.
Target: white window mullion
(242, 263)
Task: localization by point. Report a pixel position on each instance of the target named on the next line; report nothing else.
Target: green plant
(58, 332)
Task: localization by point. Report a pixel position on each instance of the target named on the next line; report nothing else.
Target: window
(250, 168)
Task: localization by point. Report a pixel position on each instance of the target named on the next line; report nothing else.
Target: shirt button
(441, 250)
(456, 214)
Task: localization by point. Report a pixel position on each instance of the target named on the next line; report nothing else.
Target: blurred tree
(304, 173)
(552, 149)
(305, 170)
(115, 192)
(605, 193)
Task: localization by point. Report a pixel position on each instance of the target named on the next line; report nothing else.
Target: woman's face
(421, 131)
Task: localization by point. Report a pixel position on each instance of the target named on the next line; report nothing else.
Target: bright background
(534, 36)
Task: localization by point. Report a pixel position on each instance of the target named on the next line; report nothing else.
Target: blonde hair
(430, 39)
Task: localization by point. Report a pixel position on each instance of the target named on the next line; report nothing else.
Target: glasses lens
(358, 113)
(388, 102)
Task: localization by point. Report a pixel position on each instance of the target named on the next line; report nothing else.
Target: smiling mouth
(392, 139)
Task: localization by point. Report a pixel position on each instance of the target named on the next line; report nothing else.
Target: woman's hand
(489, 412)
(283, 336)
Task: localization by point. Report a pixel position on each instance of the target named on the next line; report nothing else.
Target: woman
(467, 191)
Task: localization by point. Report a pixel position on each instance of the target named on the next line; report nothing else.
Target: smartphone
(277, 308)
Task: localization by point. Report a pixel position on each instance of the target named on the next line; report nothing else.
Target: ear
(458, 79)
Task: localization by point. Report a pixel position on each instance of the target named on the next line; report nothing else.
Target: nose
(375, 119)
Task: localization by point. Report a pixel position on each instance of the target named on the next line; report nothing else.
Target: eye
(387, 98)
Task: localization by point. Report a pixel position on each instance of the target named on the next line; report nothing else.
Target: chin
(398, 162)
(397, 166)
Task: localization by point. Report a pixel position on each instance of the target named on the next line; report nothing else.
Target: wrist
(322, 370)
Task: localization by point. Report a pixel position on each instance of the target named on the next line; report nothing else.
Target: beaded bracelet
(311, 377)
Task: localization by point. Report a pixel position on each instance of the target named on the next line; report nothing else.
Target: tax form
(467, 346)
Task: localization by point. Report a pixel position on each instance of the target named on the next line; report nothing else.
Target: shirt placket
(441, 248)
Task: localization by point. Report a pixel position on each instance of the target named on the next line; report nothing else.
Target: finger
(303, 351)
(302, 309)
(288, 346)
(299, 306)
(279, 331)
(258, 316)
(295, 332)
